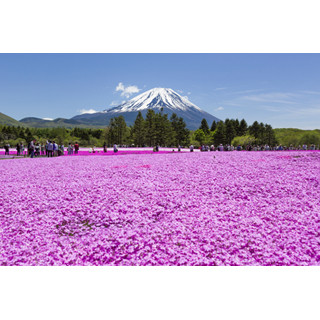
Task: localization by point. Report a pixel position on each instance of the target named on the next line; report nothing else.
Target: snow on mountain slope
(156, 98)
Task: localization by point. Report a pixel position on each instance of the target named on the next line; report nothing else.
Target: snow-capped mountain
(158, 99)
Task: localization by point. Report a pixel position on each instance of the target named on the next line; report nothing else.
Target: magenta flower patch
(211, 208)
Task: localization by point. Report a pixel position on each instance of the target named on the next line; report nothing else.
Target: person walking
(50, 149)
(55, 149)
(62, 149)
(46, 146)
(115, 148)
(18, 149)
(6, 149)
(76, 148)
(31, 148)
(21, 149)
(105, 147)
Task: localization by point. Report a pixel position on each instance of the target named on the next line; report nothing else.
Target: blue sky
(280, 89)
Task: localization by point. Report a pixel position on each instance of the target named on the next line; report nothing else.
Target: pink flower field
(211, 208)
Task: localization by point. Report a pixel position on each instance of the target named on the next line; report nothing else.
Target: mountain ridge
(159, 99)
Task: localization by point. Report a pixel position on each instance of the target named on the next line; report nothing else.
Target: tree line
(156, 128)
(235, 132)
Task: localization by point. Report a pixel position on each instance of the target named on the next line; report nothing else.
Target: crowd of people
(49, 149)
(52, 149)
(249, 147)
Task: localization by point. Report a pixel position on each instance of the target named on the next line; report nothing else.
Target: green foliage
(117, 130)
(8, 121)
(150, 127)
(138, 131)
(213, 126)
(181, 133)
(254, 129)
(296, 137)
(243, 127)
(204, 126)
(219, 135)
(157, 128)
(263, 134)
(199, 136)
(230, 130)
(310, 138)
(243, 140)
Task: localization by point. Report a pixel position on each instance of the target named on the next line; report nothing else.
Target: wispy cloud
(310, 92)
(246, 91)
(83, 111)
(309, 112)
(219, 109)
(220, 89)
(271, 108)
(275, 97)
(49, 119)
(127, 91)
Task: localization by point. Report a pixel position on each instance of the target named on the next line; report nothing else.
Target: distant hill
(59, 122)
(8, 121)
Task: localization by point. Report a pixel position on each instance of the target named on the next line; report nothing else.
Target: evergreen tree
(254, 129)
(28, 135)
(160, 129)
(236, 125)
(150, 127)
(204, 126)
(138, 130)
(270, 138)
(219, 135)
(230, 131)
(213, 126)
(262, 138)
(243, 127)
(117, 130)
(181, 133)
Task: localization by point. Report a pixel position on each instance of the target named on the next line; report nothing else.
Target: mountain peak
(156, 98)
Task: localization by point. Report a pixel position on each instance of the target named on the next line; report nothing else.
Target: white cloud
(127, 91)
(49, 119)
(114, 103)
(219, 109)
(180, 91)
(83, 111)
(219, 89)
(189, 93)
